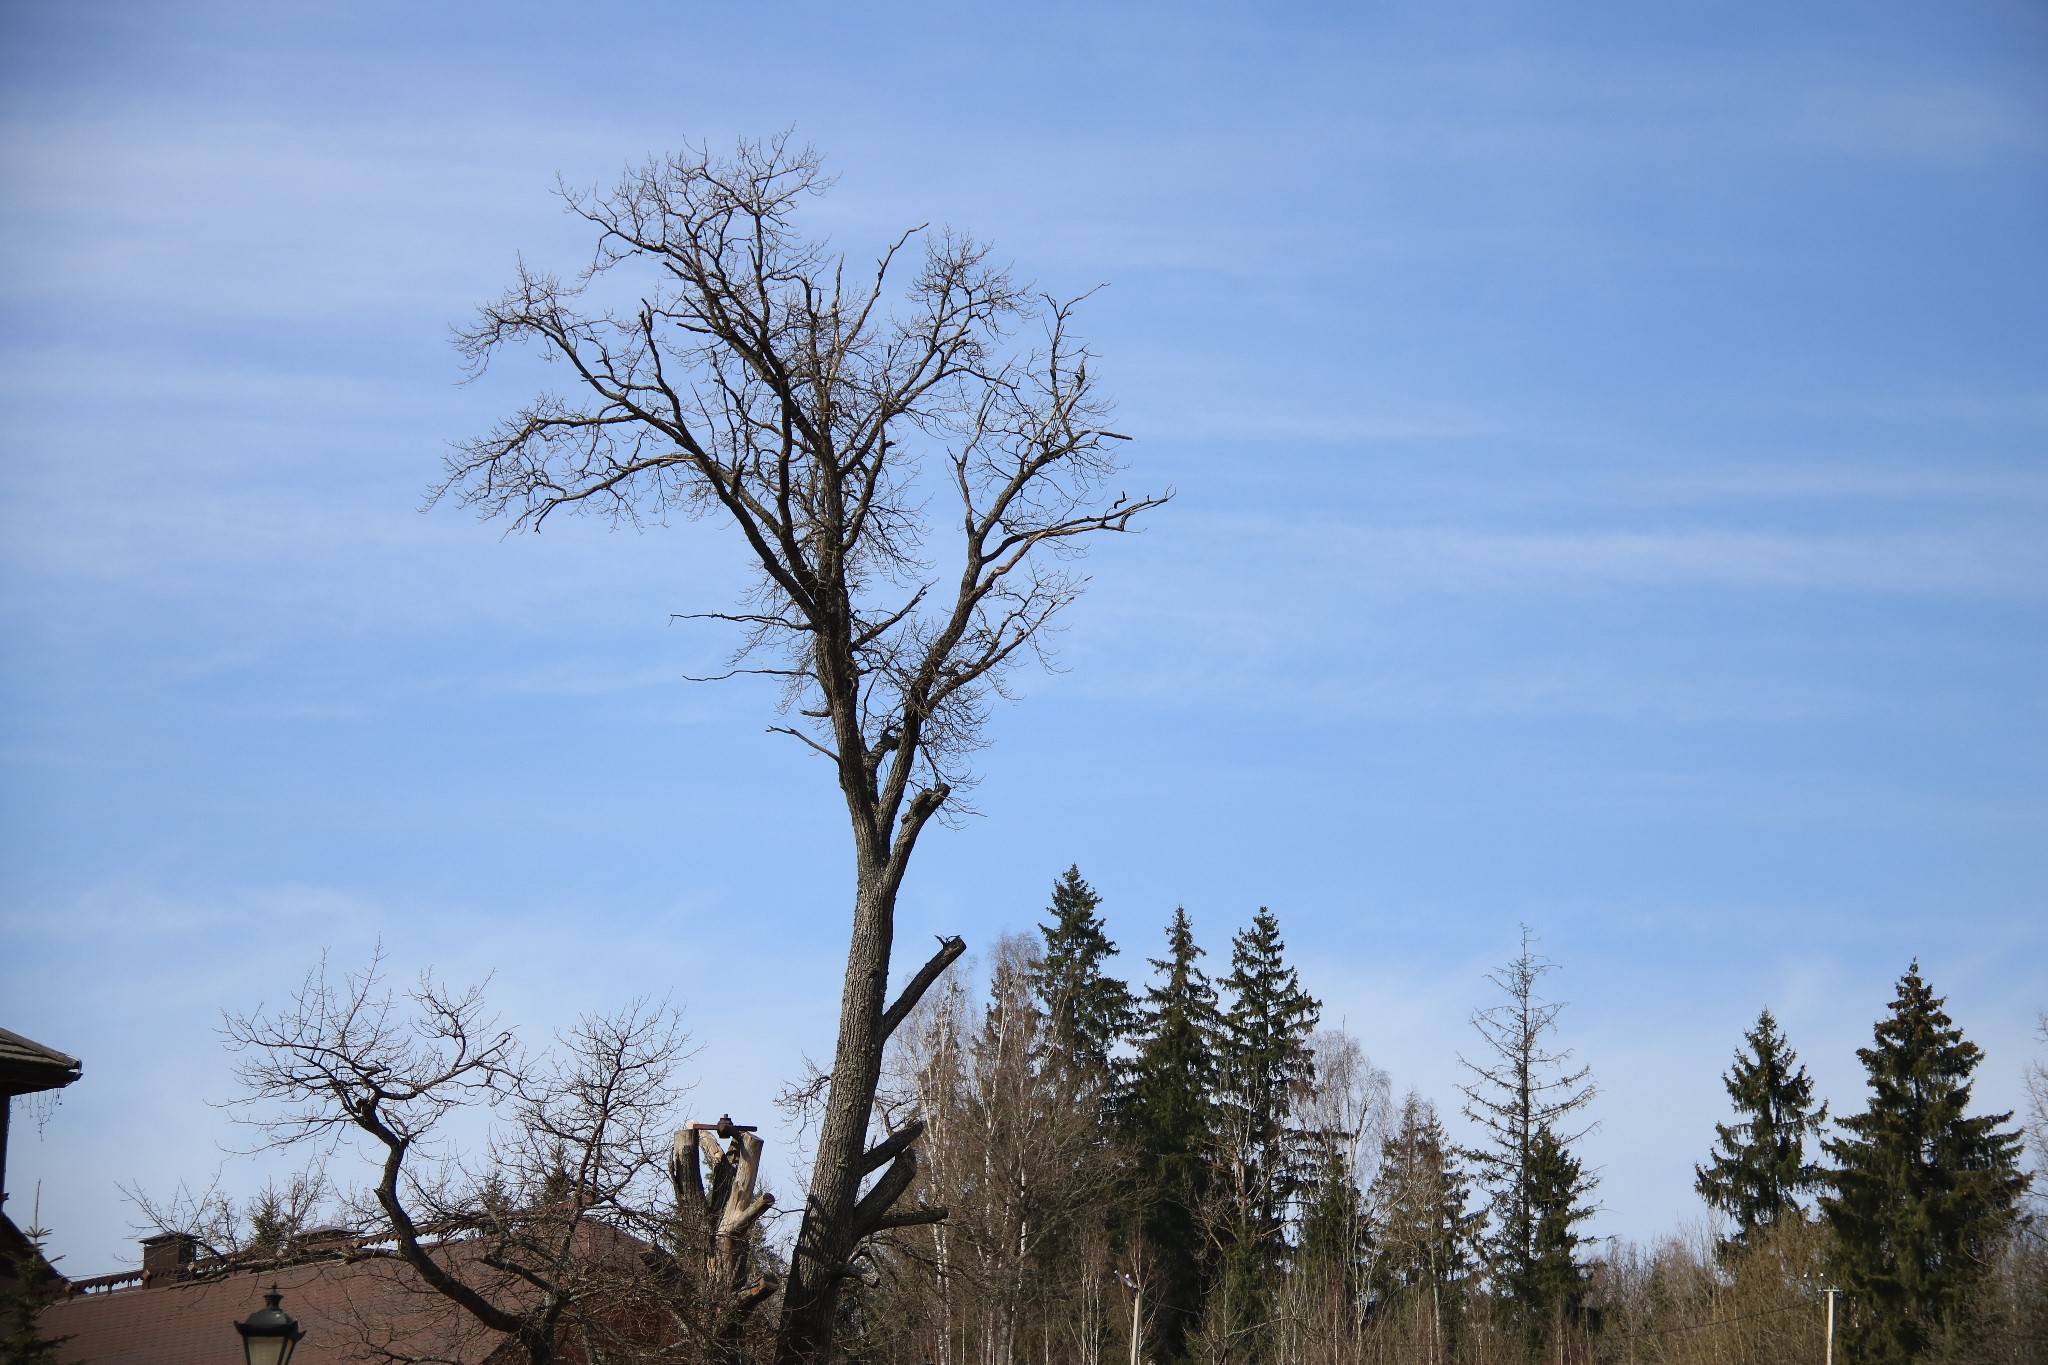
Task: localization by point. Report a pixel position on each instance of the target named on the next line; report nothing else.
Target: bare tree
(224, 1233)
(536, 1240)
(1344, 1112)
(2037, 1104)
(746, 372)
(1021, 1269)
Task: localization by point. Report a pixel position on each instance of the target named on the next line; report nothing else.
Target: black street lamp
(269, 1334)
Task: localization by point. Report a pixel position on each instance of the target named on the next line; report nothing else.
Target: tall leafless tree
(723, 364)
(1344, 1113)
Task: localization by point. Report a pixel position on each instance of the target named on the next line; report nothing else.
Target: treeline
(1070, 1170)
(1199, 1172)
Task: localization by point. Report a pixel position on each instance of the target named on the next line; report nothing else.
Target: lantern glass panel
(275, 1350)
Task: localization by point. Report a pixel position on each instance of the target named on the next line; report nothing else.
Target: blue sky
(1612, 453)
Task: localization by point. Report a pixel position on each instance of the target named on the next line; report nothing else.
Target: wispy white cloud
(1939, 122)
(1989, 560)
(1259, 554)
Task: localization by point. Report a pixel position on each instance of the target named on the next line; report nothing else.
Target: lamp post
(269, 1334)
(1137, 1314)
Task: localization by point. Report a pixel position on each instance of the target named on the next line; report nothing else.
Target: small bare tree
(2037, 1106)
(548, 1237)
(746, 372)
(1344, 1114)
(224, 1233)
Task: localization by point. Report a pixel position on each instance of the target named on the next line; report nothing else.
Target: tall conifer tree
(1265, 1061)
(1264, 1064)
(1759, 1165)
(1922, 1191)
(1090, 1011)
(1548, 1291)
(1520, 1096)
(1424, 1237)
(1170, 1119)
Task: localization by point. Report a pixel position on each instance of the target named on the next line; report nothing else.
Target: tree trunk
(827, 1237)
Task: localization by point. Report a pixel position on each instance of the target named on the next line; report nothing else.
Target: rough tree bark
(750, 375)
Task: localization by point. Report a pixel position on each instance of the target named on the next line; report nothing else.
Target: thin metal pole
(1829, 1358)
(1137, 1318)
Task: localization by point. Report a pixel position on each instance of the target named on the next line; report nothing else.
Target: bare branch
(913, 991)
(887, 1150)
(867, 1215)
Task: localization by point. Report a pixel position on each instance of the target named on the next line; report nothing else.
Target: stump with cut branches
(715, 1168)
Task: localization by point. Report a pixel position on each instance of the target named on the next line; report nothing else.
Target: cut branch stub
(743, 1206)
(685, 1174)
(887, 1150)
(914, 1216)
(949, 949)
(869, 1214)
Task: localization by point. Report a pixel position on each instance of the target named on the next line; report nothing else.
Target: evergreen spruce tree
(1423, 1236)
(1317, 1301)
(1519, 1096)
(31, 1286)
(1264, 1063)
(1169, 1119)
(1335, 1233)
(1090, 1011)
(1759, 1166)
(1922, 1191)
(1549, 1292)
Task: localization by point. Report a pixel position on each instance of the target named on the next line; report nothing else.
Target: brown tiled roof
(337, 1302)
(26, 1066)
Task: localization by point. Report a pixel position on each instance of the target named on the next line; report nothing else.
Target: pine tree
(1548, 1294)
(1334, 1231)
(1522, 1094)
(1090, 1012)
(1922, 1191)
(1170, 1124)
(1758, 1168)
(1264, 1064)
(29, 1285)
(1424, 1238)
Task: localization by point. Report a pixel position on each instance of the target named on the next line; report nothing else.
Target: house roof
(26, 1066)
(350, 1309)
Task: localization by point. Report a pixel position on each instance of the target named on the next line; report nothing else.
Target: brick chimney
(168, 1256)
